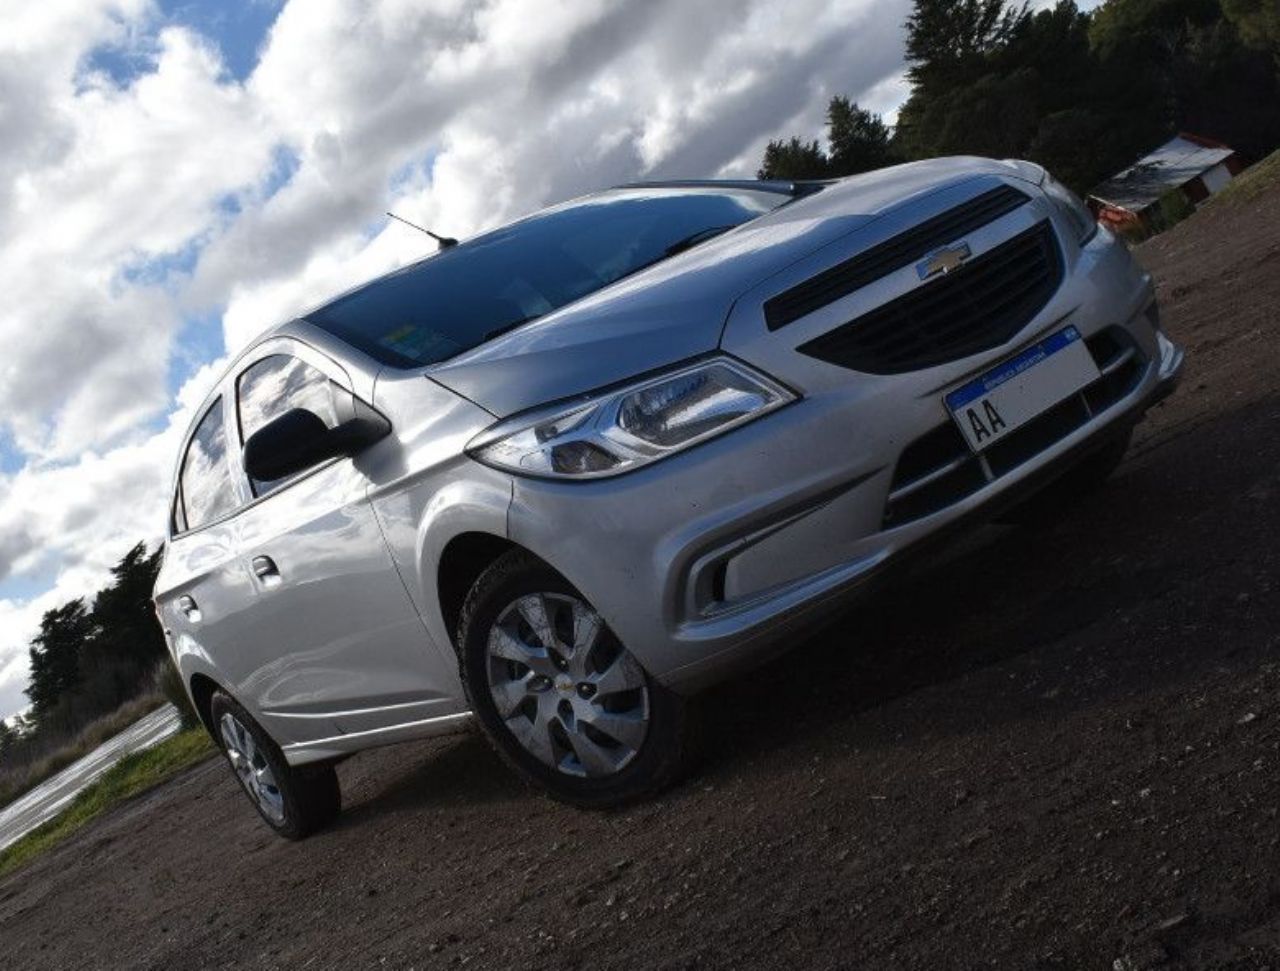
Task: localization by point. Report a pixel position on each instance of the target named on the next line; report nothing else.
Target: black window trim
(287, 344)
(177, 511)
(240, 436)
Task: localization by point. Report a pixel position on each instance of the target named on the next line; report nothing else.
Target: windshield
(467, 294)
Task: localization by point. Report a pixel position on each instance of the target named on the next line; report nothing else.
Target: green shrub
(168, 682)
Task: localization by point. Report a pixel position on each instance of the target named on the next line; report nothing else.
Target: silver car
(556, 478)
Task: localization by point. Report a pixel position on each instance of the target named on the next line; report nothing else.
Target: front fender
(421, 521)
(428, 492)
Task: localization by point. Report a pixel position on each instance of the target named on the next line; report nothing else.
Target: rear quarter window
(206, 491)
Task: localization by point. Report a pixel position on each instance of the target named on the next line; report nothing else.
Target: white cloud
(127, 209)
(84, 516)
(129, 176)
(520, 103)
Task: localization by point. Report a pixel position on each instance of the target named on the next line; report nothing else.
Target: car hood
(677, 309)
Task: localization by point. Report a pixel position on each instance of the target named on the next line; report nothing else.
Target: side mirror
(299, 440)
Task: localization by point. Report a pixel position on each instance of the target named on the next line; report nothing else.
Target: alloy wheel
(250, 765)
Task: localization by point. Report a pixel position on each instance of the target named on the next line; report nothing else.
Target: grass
(19, 780)
(131, 775)
(1253, 181)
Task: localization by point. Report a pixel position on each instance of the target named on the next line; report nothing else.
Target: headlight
(1071, 206)
(632, 426)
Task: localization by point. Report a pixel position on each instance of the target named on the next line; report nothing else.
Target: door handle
(189, 607)
(265, 569)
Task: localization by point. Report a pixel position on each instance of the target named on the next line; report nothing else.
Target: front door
(333, 644)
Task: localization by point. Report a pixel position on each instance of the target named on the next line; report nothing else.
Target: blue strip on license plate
(1011, 368)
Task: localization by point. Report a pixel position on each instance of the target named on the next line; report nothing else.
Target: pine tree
(124, 619)
(793, 159)
(948, 41)
(1258, 22)
(8, 737)
(859, 140)
(55, 654)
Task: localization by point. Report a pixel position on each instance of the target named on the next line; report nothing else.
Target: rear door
(201, 589)
(333, 644)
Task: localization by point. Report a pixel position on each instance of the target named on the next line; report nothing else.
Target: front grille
(975, 308)
(938, 469)
(891, 255)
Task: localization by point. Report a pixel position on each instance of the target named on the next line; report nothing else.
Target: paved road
(47, 799)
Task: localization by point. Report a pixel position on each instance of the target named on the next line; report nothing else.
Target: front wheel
(559, 696)
(294, 801)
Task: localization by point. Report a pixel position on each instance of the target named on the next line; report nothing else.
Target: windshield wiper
(692, 240)
(679, 246)
(509, 326)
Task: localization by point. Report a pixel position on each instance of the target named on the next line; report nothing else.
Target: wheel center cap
(564, 684)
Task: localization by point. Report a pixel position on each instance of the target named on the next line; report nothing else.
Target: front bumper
(715, 558)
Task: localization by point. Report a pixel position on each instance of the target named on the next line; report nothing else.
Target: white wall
(1216, 179)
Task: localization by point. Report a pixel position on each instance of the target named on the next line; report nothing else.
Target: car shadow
(439, 773)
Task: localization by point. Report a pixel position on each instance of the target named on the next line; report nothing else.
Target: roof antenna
(445, 241)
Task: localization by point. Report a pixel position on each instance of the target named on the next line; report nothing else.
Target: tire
(582, 745)
(293, 801)
(1081, 480)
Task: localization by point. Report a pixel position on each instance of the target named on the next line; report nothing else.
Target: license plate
(1012, 394)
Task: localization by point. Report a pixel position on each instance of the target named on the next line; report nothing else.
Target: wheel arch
(202, 688)
(462, 560)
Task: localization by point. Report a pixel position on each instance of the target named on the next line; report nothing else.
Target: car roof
(791, 187)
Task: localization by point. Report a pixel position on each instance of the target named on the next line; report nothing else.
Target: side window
(205, 482)
(274, 385)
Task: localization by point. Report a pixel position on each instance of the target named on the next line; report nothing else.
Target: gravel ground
(1057, 748)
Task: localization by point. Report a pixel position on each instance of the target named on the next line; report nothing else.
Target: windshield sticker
(419, 343)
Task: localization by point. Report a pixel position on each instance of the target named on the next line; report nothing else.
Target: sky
(175, 177)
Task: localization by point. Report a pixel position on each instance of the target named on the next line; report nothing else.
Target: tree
(87, 660)
(1258, 22)
(1053, 43)
(948, 41)
(793, 159)
(859, 140)
(8, 737)
(996, 116)
(1149, 27)
(55, 655)
(1083, 94)
(1231, 92)
(1182, 65)
(127, 642)
(124, 618)
(966, 97)
(1073, 145)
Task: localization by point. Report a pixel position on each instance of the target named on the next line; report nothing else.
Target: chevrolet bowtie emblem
(943, 260)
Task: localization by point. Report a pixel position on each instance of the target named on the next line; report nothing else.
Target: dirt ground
(1058, 748)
